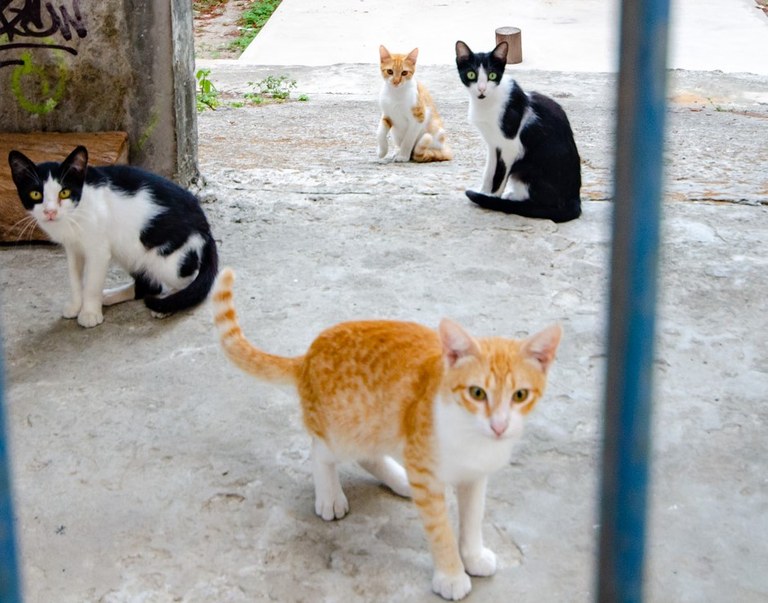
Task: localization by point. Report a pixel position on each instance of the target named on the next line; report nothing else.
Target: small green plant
(253, 20)
(273, 88)
(207, 94)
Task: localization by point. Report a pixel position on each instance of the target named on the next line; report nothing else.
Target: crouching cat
(408, 112)
(450, 405)
(532, 167)
(151, 227)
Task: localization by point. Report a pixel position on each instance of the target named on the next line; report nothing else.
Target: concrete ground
(149, 470)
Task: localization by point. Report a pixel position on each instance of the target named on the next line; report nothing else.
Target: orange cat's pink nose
(499, 425)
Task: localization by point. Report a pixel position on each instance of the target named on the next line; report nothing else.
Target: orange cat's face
(500, 380)
(397, 68)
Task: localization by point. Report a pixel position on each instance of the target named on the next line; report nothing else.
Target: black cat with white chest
(532, 167)
(150, 226)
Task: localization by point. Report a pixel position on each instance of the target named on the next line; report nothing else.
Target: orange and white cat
(449, 405)
(408, 111)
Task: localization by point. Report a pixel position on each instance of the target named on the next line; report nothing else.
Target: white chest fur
(466, 445)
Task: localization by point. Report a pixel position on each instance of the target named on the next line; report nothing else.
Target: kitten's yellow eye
(520, 395)
(492, 77)
(65, 193)
(471, 75)
(477, 393)
(35, 195)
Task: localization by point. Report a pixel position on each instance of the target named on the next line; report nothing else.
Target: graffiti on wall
(34, 24)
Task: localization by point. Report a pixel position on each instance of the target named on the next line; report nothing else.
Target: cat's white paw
(71, 310)
(400, 158)
(89, 319)
(383, 149)
(451, 587)
(481, 564)
(332, 507)
(159, 315)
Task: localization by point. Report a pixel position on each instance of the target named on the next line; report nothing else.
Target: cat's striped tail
(242, 353)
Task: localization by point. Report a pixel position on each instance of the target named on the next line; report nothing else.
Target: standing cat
(408, 111)
(533, 167)
(451, 406)
(152, 227)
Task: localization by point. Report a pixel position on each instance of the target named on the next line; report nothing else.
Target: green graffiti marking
(33, 77)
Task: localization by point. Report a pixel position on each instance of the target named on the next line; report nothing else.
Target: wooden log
(513, 37)
(104, 148)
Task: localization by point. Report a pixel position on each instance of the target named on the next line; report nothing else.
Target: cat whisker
(25, 225)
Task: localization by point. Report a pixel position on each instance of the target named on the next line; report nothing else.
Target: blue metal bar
(10, 590)
(628, 393)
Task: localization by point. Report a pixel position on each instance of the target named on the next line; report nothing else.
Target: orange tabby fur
(426, 141)
(369, 389)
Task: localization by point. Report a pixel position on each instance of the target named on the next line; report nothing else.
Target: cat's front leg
(96, 266)
(75, 262)
(407, 143)
(449, 579)
(385, 125)
(490, 169)
(478, 560)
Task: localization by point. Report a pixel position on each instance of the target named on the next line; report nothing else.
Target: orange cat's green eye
(492, 77)
(35, 195)
(520, 395)
(477, 393)
(65, 193)
(471, 75)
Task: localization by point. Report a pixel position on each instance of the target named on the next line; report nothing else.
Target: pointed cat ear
(384, 53)
(76, 162)
(457, 343)
(20, 165)
(500, 52)
(413, 55)
(462, 51)
(543, 345)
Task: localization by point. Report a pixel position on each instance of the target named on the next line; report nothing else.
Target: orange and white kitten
(407, 110)
(449, 405)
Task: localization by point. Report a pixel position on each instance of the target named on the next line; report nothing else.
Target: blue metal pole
(10, 591)
(631, 328)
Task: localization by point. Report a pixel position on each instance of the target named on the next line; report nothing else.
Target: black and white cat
(151, 227)
(533, 167)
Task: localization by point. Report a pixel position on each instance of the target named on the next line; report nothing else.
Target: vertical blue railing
(631, 324)
(10, 590)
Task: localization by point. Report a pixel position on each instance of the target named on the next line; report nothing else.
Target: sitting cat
(153, 228)
(450, 405)
(533, 167)
(408, 111)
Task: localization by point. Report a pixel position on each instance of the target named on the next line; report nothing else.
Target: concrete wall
(89, 66)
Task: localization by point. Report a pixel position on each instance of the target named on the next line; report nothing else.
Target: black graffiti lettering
(37, 20)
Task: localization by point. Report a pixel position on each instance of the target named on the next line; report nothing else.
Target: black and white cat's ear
(500, 52)
(413, 55)
(457, 343)
(77, 161)
(384, 53)
(20, 165)
(543, 345)
(462, 51)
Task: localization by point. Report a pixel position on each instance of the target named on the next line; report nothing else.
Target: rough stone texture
(109, 66)
(149, 469)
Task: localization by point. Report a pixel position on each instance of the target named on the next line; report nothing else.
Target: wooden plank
(104, 148)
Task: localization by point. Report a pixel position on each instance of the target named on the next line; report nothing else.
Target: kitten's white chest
(466, 449)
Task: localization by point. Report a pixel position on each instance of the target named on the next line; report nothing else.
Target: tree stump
(513, 37)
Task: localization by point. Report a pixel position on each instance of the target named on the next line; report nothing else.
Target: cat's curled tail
(196, 292)
(242, 353)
